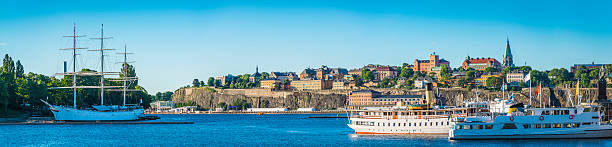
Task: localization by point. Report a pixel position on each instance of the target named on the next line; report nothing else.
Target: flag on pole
(539, 88)
(527, 77)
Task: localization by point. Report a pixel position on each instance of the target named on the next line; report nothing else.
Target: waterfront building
(355, 71)
(421, 82)
(284, 76)
(480, 63)
(270, 83)
(370, 84)
(311, 84)
(482, 80)
(575, 68)
(267, 109)
(162, 105)
(508, 56)
(255, 76)
(385, 72)
(361, 99)
(340, 84)
(426, 65)
(308, 73)
(515, 77)
(225, 79)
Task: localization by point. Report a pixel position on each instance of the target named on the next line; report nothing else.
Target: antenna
(102, 49)
(74, 49)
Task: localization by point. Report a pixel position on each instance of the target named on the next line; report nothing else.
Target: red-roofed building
(480, 63)
(427, 65)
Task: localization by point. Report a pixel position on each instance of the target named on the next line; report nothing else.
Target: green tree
(494, 82)
(491, 70)
(222, 105)
(367, 75)
(406, 72)
(4, 96)
(196, 83)
(211, 81)
(559, 76)
(19, 70)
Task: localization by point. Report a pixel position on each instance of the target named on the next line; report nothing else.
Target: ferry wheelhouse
(536, 123)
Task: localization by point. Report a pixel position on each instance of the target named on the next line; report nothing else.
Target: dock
(49, 121)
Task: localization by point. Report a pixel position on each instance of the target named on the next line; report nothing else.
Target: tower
(508, 56)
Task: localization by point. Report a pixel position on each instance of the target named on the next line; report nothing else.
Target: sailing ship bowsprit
(97, 112)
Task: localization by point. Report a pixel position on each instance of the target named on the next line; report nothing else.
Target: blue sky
(177, 41)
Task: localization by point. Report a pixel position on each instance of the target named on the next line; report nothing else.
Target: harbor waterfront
(241, 129)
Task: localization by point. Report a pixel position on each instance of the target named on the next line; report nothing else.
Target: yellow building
(311, 84)
(482, 80)
(269, 84)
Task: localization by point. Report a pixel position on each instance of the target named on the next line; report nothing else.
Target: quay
(247, 112)
(89, 123)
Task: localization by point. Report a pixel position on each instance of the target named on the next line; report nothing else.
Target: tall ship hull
(70, 114)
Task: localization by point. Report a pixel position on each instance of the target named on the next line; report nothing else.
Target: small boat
(260, 113)
(536, 123)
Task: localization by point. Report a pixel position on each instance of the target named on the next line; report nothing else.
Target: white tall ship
(99, 112)
(537, 123)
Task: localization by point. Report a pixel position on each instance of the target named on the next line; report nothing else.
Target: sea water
(241, 130)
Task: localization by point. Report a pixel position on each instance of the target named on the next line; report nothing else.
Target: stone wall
(321, 99)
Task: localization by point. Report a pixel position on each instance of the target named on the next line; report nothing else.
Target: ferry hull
(439, 127)
(582, 135)
(66, 114)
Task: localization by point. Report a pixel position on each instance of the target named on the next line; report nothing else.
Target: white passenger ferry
(536, 123)
(406, 121)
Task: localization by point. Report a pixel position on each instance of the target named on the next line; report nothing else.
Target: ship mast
(125, 77)
(74, 48)
(102, 62)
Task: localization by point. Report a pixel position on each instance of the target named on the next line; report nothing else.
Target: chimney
(65, 67)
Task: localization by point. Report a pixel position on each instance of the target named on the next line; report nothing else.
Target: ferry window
(478, 127)
(436, 123)
(526, 126)
(509, 126)
(556, 125)
(547, 125)
(576, 125)
(546, 112)
(467, 127)
(538, 126)
(567, 126)
(409, 124)
(404, 124)
(419, 124)
(425, 124)
(488, 126)
(566, 112)
(414, 124)
(430, 123)
(377, 124)
(586, 123)
(383, 124)
(447, 123)
(388, 124)
(556, 112)
(394, 124)
(458, 127)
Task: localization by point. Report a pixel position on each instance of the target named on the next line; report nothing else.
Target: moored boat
(536, 123)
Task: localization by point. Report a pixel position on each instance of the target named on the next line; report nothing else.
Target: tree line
(21, 93)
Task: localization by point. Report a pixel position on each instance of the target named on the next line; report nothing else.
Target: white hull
(403, 126)
(70, 114)
(598, 131)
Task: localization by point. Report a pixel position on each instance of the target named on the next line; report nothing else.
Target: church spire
(508, 55)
